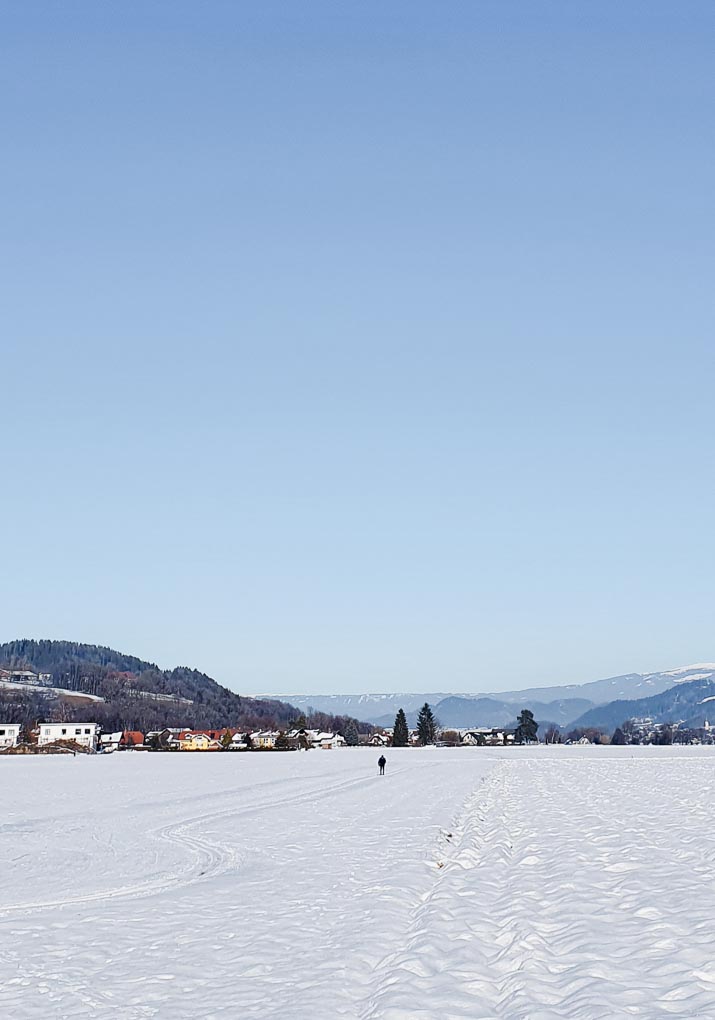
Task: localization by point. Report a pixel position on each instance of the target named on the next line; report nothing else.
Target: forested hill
(123, 680)
(691, 703)
(61, 656)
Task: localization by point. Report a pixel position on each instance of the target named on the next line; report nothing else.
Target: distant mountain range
(565, 706)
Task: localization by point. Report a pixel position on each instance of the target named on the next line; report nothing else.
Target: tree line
(427, 726)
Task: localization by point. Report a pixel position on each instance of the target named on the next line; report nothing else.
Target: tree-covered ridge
(692, 702)
(48, 656)
(121, 680)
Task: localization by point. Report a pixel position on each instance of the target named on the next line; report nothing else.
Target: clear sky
(360, 345)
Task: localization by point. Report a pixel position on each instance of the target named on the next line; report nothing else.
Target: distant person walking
(382, 762)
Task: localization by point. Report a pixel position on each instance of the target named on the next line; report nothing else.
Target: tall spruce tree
(400, 734)
(351, 734)
(426, 725)
(527, 728)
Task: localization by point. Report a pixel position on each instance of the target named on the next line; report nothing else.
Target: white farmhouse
(26, 676)
(109, 742)
(80, 732)
(9, 734)
(329, 740)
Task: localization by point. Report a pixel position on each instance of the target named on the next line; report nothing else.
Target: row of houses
(486, 736)
(479, 736)
(88, 735)
(173, 739)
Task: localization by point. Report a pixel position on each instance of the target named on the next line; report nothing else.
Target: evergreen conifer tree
(426, 725)
(351, 734)
(400, 734)
(527, 728)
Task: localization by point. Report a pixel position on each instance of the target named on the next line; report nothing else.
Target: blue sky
(360, 346)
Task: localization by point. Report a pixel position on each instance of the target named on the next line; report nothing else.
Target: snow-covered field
(512, 883)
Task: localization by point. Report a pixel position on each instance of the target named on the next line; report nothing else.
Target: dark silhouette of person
(382, 762)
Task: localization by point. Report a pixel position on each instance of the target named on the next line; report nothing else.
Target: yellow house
(191, 740)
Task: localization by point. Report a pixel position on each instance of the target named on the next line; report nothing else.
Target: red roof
(132, 737)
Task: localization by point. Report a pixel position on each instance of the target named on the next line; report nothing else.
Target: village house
(130, 739)
(264, 740)
(123, 740)
(486, 736)
(9, 734)
(329, 741)
(200, 740)
(316, 738)
(378, 740)
(25, 676)
(301, 738)
(83, 733)
(163, 740)
(109, 742)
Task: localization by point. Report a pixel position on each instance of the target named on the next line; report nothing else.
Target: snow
(41, 689)
(511, 883)
(710, 666)
(693, 676)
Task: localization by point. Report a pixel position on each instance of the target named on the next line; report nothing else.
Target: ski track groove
(574, 888)
(545, 907)
(207, 859)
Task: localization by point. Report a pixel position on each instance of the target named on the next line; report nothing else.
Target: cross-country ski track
(525, 884)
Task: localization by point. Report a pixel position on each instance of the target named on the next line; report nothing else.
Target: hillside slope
(692, 703)
(122, 681)
(461, 712)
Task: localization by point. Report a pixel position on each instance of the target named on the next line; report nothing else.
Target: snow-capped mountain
(690, 701)
(561, 704)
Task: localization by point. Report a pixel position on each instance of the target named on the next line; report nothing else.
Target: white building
(317, 738)
(327, 741)
(83, 733)
(264, 740)
(486, 736)
(25, 676)
(9, 734)
(110, 741)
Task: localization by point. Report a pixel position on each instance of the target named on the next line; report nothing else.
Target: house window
(47, 733)
(64, 732)
(87, 730)
(2, 733)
